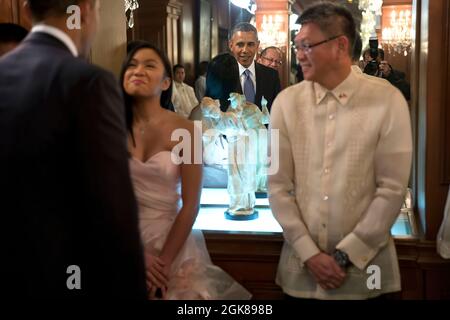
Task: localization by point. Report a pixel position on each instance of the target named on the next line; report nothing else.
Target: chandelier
(270, 33)
(398, 35)
(371, 11)
(131, 5)
(249, 5)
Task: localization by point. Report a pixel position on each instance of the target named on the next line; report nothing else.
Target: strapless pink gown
(157, 185)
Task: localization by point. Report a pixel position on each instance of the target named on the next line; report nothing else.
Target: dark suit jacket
(223, 78)
(65, 189)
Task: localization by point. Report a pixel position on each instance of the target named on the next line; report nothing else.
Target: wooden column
(173, 28)
(11, 11)
(277, 8)
(109, 47)
(433, 97)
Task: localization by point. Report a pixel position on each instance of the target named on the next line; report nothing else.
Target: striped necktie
(249, 89)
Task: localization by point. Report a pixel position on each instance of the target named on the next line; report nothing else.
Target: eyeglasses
(307, 48)
(277, 62)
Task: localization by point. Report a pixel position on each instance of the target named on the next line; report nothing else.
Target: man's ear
(230, 44)
(343, 43)
(166, 83)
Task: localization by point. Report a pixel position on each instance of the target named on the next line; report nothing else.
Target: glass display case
(214, 202)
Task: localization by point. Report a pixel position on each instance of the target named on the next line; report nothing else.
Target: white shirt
(345, 158)
(242, 76)
(183, 99)
(200, 87)
(58, 34)
(356, 69)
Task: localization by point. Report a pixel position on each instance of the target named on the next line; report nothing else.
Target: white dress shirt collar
(251, 68)
(58, 34)
(356, 69)
(342, 92)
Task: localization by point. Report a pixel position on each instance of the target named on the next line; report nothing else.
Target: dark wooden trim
(252, 259)
(432, 97)
(15, 6)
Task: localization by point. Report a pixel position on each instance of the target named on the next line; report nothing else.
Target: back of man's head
(42, 9)
(332, 19)
(243, 27)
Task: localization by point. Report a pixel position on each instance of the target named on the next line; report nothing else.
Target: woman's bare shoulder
(175, 121)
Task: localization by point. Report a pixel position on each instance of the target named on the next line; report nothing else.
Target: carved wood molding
(174, 9)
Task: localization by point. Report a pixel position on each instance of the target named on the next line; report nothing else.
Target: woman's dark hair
(166, 95)
(220, 79)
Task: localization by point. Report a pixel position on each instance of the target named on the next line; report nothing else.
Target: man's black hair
(243, 27)
(332, 19)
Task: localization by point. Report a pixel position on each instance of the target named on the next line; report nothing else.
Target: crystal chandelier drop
(131, 5)
(398, 35)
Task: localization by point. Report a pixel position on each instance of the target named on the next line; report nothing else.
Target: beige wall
(109, 48)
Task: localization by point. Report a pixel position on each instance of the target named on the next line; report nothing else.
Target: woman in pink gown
(167, 186)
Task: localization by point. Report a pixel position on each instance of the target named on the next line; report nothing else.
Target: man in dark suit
(243, 75)
(69, 215)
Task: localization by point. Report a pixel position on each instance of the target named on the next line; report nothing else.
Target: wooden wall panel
(109, 48)
(253, 260)
(12, 11)
(435, 105)
(223, 16)
(188, 39)
(446, 100)
(204, 31)
(158, 21)
(23, 19)
(6, 13)
(432, 106)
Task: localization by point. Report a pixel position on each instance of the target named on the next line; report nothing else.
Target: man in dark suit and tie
(69, 215)
(247, 77)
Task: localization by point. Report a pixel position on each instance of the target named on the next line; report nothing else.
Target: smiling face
(179, 75)
(243, 46)
(272, 58)
(318, 62)
(145, 75)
